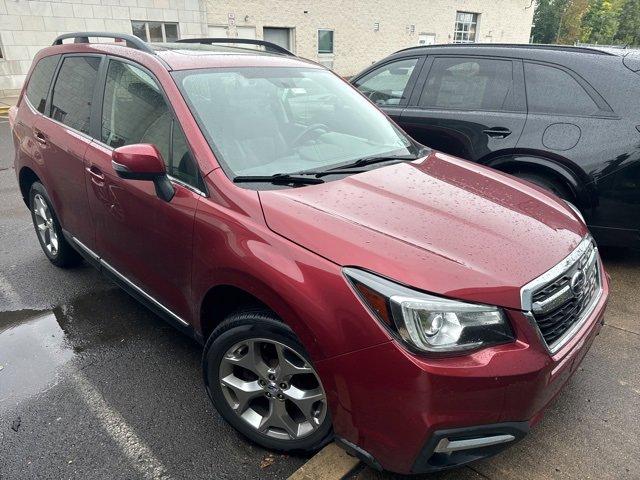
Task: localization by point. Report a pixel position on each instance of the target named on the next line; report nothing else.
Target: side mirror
(143, 161)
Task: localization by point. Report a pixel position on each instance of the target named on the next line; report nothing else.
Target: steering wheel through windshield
(308, 133)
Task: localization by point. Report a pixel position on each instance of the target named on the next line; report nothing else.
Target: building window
(325, 41)
(466, 27)
(155, 31)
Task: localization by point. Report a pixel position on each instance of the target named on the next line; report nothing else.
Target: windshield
(266, 121)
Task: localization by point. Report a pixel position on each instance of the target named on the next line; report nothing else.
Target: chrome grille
(562, 299)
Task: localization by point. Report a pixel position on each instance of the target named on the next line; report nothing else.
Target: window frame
(518, 102)
(604, 109)
(411, 84)
(475, 21)
(96, 125)
(164, 32)
(333, 49)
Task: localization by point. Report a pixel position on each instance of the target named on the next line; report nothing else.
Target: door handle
(40, 137)
(497, 132)
(96, 174)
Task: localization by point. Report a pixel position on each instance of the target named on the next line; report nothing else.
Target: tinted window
(134, 111)
(73, 92)
(469, 84)
(183, 165)
(387, 84)
(551, 90)
(39, 82)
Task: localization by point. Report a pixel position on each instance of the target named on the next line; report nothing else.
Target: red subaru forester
(346, 281)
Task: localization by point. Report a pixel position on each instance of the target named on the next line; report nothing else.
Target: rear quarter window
(38, 87)
(554, 91)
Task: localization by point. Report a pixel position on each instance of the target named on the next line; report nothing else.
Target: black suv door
(390, 84)
(467, 106)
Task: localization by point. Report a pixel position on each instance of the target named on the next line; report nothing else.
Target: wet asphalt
(93, 385)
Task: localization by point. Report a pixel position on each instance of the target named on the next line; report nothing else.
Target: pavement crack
(621, 329)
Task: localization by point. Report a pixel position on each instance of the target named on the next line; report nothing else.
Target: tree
(601, 22)
(570, 26)
(629, 24)
(546, 20)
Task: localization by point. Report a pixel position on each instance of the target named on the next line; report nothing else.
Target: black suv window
(386, 85)
(73, 92)
(552, 90)
(135, 111)
(469, 84)
(40, 81)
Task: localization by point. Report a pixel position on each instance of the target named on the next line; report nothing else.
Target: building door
(246, 32)
(218, 31)
(279, 36)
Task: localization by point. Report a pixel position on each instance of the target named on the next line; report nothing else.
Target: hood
(440, 224)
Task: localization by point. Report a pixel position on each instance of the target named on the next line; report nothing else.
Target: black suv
(565, 118)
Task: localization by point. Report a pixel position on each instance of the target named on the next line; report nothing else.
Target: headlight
(575, 210)
(428, 323)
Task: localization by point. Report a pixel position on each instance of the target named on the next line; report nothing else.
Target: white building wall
(26, 26)
(356, 43)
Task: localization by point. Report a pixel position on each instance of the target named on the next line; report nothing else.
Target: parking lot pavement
(93, 385)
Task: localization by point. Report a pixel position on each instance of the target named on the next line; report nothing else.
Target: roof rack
(535, 46)
(130, 40)
(268, 46)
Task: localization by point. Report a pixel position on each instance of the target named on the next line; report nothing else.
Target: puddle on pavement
(33, 347)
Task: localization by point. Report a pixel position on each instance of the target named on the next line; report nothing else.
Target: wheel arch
(26, 178)
(222, 299)
(559, 169)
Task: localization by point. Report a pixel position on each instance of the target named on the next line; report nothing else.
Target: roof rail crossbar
(268, 46)
(130, 40)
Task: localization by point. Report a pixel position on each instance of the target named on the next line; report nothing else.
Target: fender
(585, 196)
(228, 277)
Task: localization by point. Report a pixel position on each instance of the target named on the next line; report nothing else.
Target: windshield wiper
(279, 179)
(361, 162)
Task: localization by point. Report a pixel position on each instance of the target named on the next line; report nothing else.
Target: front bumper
(392, 408)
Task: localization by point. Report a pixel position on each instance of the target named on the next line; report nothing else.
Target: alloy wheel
(273, 389)
(45, 224)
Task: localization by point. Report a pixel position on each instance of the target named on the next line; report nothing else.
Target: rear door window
(387, 85)
(73, 92)
(554, 91)
(40, 80)
(466, 83)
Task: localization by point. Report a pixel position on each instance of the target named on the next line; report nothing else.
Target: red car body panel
(440, 225)
(399, 400)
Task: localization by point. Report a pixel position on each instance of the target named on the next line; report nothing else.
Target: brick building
(344, 35)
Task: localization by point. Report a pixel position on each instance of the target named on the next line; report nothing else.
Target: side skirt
(132, 289)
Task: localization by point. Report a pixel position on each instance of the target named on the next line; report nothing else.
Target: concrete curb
(330, 463)
(4, 110)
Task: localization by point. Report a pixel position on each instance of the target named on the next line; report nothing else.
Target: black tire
(247, 325)
(552, 185)
(65, 255)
